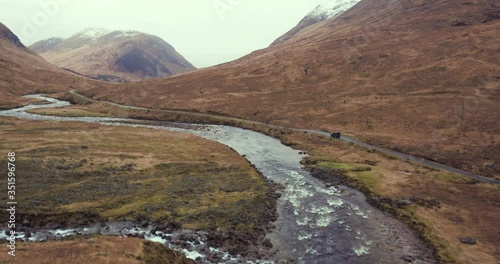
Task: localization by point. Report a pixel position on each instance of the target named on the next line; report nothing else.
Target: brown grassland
(106, 250)
(445, 206)
(422, 76)
(76, 174)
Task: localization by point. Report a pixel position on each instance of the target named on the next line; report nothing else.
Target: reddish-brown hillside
(108, 55)
(322, 12)
(421, 75)
(22, 71)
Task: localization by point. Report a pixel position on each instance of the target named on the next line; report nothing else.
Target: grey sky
(206, 32)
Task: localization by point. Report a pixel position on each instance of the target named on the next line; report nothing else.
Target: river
(316, 224)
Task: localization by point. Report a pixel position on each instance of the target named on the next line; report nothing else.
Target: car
(336, 135)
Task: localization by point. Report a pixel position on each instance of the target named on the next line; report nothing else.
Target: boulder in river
(267, 243)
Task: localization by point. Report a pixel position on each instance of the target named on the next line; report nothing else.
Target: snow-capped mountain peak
(332, 8)
(92, 33)
(325, 10)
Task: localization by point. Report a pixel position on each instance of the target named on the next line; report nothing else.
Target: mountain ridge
(98, 52)
(424, 83)
(8, 35)
(22, 71)
(321, 12)
(416, 76)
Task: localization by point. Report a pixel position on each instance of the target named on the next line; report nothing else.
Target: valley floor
(441, 206)
(77, 174)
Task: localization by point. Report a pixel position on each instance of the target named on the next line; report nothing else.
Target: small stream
(316, 224)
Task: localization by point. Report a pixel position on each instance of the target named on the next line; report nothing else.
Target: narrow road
(316, 223)
(400, 155)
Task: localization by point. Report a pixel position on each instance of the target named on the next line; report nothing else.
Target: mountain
(8, 36)
(121, 55)
(324, 11)
(22, 71)
(420, 75)
(46, 45)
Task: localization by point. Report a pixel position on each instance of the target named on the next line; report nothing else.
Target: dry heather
(77, 174)
(444, 207)
(419, 75)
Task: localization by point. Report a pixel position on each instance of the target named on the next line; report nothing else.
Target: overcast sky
(206, 32)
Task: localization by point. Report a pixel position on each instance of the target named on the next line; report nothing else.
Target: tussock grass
(86, 173)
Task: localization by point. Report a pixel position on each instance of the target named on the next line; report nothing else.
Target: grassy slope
(446, 207)
(24, 72)
(421, 75)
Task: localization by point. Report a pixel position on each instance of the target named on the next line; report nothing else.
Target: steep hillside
(327, 10)
(22, 71)
(420, 76)
(8, 36)
(128, 55)
(46, 45)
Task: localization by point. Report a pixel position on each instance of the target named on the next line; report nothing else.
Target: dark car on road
(336, 135)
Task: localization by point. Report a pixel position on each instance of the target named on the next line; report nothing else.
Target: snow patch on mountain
(92, 33)
(328, 9)
(125, 33)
